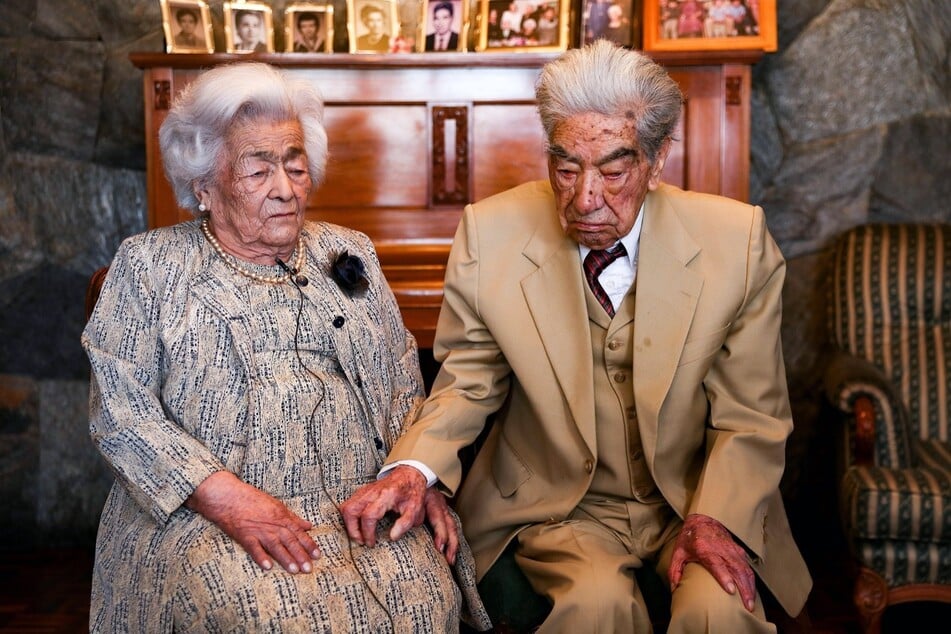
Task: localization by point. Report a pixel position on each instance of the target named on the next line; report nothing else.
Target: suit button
(620, 377)
(588, 466)
(338, 322)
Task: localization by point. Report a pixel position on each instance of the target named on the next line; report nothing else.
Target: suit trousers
(585, 566)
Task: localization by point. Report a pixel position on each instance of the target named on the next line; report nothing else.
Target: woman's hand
(263, 526)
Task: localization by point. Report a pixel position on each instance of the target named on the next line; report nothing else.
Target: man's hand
(402, 490)
(705, 541)
(263, 526)
(443, 524)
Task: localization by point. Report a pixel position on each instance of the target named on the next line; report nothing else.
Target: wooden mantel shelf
(416, 136)
(422, 60)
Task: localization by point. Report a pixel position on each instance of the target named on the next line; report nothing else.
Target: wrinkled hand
(402, 490)
(443, 523)
(263, 526)
(706, 541)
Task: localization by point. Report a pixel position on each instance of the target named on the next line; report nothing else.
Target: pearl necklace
(235, 265)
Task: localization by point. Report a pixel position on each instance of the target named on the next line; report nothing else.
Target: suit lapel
(561, 319)
(667, 295)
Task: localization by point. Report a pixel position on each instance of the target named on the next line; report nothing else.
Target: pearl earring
(201, 207)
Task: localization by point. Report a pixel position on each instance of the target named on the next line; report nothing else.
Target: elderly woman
(250, 370)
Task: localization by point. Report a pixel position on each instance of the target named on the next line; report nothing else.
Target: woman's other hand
(263, 526)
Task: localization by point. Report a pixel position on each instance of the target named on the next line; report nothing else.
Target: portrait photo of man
(309, 28)
(248, 27)
(443, 26)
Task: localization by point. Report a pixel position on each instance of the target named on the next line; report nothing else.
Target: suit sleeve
(474, 377)
(750, 417)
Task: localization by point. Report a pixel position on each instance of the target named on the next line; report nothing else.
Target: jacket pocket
(508, 468)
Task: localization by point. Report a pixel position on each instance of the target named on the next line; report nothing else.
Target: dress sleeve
(153, 457)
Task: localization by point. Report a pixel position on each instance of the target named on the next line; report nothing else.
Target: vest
(621, 470)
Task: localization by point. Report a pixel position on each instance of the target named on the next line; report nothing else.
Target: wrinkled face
(248, 27)
(374, 23)
(260, 193)
(442, 21)
(600, 177)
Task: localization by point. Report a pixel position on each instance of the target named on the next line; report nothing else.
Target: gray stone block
(73, 479)
(51, 98)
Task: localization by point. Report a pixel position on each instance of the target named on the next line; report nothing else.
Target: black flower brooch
(349, 274)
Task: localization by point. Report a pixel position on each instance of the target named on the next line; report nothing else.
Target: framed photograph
(374, 26)
(444, 25)
(615, 20)
(523, 25)
(249, 27)
(309, 28)
(187, 25)
(692, 25)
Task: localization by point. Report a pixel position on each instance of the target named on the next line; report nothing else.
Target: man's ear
(658, 165)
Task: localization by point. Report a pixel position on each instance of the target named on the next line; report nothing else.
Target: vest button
(637, 454)
(620, 377)
(588, 465)
(614, 344)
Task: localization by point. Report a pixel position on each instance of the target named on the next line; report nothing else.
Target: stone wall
(851, 121)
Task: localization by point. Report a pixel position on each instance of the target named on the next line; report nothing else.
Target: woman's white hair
(611, 80)
(192, 137)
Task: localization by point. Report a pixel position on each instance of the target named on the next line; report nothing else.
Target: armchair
(890, 382)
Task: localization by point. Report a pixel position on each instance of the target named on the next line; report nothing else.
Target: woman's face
(248, 28)
(260, 193)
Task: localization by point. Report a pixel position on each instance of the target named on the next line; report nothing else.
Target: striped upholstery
(891, 306)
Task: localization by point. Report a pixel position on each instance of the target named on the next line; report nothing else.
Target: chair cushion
(903, 562)
(891, 304)
(902, 504)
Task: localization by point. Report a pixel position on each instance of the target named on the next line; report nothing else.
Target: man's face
(600, 177)
(308, 29)
(188, 23)
(442, 21)
(375, 22)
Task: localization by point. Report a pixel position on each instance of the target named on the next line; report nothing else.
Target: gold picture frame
(249, 27)
(438, 14)
(304, 14)
(691, 25)
(373, 26)
(518, 26)
(187, 26)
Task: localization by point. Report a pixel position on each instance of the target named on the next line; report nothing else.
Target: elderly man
(625, 335)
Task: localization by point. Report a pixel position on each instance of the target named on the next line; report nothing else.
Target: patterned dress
(300, 392)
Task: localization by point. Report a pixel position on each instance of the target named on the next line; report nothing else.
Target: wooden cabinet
(415, 137)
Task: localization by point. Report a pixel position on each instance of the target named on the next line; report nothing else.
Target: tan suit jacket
(708, 377)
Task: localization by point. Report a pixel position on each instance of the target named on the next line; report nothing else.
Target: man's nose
(589, 193)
